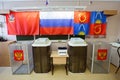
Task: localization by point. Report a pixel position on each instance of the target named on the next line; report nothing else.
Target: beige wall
(114, 24)
(118, 31)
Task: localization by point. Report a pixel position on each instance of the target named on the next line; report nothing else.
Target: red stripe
(56, 31)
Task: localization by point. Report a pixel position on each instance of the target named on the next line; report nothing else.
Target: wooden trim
(110, 12)
(106, 12)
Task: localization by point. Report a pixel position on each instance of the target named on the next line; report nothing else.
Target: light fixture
(50, 8)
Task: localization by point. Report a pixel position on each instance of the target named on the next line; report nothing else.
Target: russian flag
(56, 23)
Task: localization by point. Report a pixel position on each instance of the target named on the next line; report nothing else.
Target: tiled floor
(59, 74)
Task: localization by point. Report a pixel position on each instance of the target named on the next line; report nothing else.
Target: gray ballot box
(98, 57)
(21, 57)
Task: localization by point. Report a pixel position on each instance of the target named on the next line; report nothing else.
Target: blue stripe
(56, 22)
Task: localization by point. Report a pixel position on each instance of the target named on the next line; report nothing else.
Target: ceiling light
(50, 8)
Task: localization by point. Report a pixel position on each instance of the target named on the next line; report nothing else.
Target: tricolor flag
(98, 23)
(56, 23)
(81, 22)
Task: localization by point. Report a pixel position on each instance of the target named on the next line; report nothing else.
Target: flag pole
(68, 36)
(34, 37)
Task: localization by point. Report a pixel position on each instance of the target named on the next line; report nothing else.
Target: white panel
(4, 33)
(63, 3)
(0, 31)
(8, 5)
(22, 0)
(114, 56)
(8, 37)
(0, 4)
(55, 45)
(99, 6)
(95, 5)
(1, 25)
(57, 15)
(2, 18)
(64, 0)
(82, 0)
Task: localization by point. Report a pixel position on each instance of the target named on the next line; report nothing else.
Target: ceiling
(91, 5)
